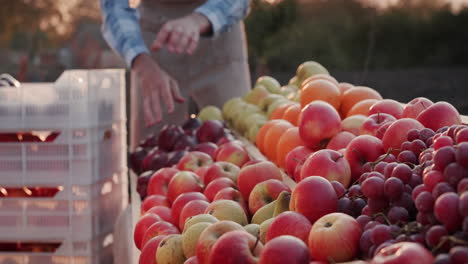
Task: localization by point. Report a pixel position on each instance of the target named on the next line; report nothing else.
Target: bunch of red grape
(421, 195)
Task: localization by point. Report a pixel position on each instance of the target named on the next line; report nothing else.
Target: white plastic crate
(95, 251)
(79, 98)
(76, 156)
(75, 212)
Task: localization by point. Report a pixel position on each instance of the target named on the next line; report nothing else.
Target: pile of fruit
(376, 181)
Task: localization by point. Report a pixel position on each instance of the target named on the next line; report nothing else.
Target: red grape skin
(415, 180)
(446, 211)
(407, 156)
(435, 234)
(454, 173)
(393, 188)
(377, 205)
(413, 134)
(443, 157)
(442, 259)
(365, 242)
(363, 220)
(462, 186)
(462, 135)
(340, 190)
(417, 190)
(389, 169)
(380, 234)
(380, 167)
(459, 255)
(344, 206)
(355, 190)
(403, 172)
(418, 146)
(424, 202)
(463, 204)
(426, 133)
(443, 141)
(461, 153)
(441, 188)
(426, 218)
(398, 214)
(432, 178)
(373, 187)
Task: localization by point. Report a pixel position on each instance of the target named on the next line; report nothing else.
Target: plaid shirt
(122, 31)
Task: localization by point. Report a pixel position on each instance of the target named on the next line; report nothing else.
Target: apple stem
(363, 160)
(299, 161)
(256, 242)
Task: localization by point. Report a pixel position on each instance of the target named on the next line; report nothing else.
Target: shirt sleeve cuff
(130, 54)
(215, 20)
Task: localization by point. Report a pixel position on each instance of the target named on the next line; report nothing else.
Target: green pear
(228, 210)
(240, 116)
(272, 85)
(264, 213)
(256, 94)
(234, 110)
(264, 228)
(250, 121)
(210, 112)
(253, 229)
(310, 68)
(253, 131)
(265, 102)
(287, 90)
(201, 218)
(294, 81)
(170, 250)
(282, 203)
(231, 103)
(275, 105)
(190, 238)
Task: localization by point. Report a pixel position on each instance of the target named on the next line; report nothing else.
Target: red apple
(232, 194)
(221, 169)
(439, 115)
(206, 147)
(414, 107)
(374, 122)
(210, 235)
(251, 175)
(318, 123)
(157, 229)
(225, 139)
(141, 226)
(335, 236)
(264, 193)
(289, 223)
(152, 201)
(148, 253)
(387, 106)
(210, 131)
(296, 157)
(182, 200)
(329, 164)
(163, 212)
(201, 172)
(183, 182)
(403, 253)
(194, 160)
(192, 260)
(285, 249)
(397, 133)
(236, 247)
(159, 181)
(340, 140)
(361, 150)
(217, 185)
(233, 152)
(314, 197)
(192, 208)
(352, 124)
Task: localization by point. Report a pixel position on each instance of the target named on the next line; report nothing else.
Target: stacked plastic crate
(62, 168)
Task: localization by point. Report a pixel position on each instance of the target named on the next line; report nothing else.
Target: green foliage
(344, 35)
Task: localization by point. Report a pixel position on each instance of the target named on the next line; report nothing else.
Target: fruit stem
(384, 217)
(256, 242)
(373, 164)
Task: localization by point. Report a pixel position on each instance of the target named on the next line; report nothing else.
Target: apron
(217, 71)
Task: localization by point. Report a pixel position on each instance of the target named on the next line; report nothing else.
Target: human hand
(181, 35)
(156, 83)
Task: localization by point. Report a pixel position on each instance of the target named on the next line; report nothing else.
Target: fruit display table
(315, 170)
